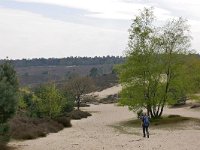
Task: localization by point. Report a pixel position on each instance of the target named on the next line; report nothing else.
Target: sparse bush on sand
(78, 114)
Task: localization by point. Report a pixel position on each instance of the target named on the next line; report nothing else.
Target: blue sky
(61, 28)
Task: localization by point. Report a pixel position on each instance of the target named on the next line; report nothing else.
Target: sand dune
(109, 91)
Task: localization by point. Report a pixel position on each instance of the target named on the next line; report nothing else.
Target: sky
(62, 28)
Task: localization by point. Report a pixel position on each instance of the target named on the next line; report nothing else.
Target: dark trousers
(145, 131)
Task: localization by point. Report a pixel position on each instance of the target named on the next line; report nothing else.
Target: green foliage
(29, 103)
(69, 102)
(68, 61)
(51, 100)
(139, 113)
(153, 71)
(8, 98)
(46, 101)
(4, 133)
(94, 72)
(8, 91)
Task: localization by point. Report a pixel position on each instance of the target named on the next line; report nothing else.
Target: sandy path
(94, 133)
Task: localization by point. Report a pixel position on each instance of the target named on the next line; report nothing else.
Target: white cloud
(111, 9)
(25, 34)
(28, 35)
(195, 31)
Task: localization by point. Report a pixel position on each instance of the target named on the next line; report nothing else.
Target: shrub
(88, 99)
(4, 147)
(65, 121)
(110, 99)
(4, 135)
(77, 114)
(195, 106)
(51, 100)
(31, 128)
(28, 103)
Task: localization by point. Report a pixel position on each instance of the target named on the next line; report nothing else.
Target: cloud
(60, 28)
(28, 35)
(195, 31)
(110, 9)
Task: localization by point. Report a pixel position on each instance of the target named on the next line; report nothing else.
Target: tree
(94, 72)
(8, 91)
(78, 87)
(153, 67)
(51, 101)
(29, 103)
(8, 97)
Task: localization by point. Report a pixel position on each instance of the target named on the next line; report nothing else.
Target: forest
(68, 61)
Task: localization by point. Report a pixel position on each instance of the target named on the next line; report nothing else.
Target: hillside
(32, 72)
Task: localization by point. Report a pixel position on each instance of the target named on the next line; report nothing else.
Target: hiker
(145, 124)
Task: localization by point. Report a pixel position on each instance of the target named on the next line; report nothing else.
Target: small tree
(28, 103)
(94, 72)
(8, 96)
(51, 100)
(153, 68)
(78, 87)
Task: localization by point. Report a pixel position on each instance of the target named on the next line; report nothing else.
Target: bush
(78, 114)
(4, 147)
(65, 121)
(51, 100)
(109, 99)
(4, 135)
(195, 106)
(28, 103)
(31, 128)
(181, 101)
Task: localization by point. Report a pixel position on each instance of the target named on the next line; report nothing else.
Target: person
(145, 124)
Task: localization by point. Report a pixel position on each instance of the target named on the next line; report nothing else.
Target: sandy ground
(109, 91)
(95, 133)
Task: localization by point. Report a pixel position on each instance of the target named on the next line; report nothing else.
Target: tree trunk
(78, 104)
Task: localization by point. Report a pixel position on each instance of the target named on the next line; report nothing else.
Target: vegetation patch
(78, 114)
(5, 147)
(31, 128)
(171, 122)
(65, 121)
(109, 99)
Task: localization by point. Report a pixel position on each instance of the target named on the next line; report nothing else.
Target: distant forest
(68, 61)
(32, 72)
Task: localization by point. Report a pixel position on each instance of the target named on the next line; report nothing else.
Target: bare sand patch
(109, 91)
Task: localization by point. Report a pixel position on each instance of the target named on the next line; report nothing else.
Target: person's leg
(143, 127)
(147, 131)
